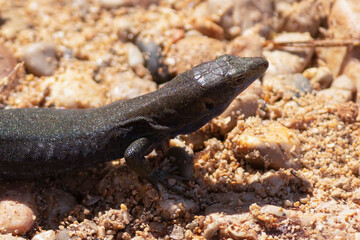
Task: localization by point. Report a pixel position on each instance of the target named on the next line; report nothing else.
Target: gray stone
(40, 58)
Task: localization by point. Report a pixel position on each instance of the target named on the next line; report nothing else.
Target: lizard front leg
(135, 159)
(135, 156)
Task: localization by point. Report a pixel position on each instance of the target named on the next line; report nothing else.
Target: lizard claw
(160, 178)
(166, 178)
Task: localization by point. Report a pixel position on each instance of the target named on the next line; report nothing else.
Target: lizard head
(221, 80)
(204, 92)
(234, 72)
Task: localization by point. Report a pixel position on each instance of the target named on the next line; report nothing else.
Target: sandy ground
(281, 163)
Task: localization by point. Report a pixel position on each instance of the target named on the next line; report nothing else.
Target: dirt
(287, 168)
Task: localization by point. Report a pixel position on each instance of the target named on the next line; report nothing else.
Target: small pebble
(335, 95)
(217, 7)
(48, 235)
(172, 181)
(124, 85)
(320, 78)
(352, 70)
(274, 147)
(17, 208)
(59, 203)
(237, 232)
(193, 50)
(301, 17)
(345, 83)
(244, 14)
(281, 62)
(245, 104)
(101, 232)
(288, 203)
(274, 210)
(291, 60)
(356, 197)
(7, 61)
(344, 17)
(354, 166)
(177, 233)
(287, 86)
(337, 193)
(348, 112)
(135, 56)
(273, 183)
(176, 207)
(16, 217)
(211, 229)
(10, 72)
(40, 58)
(207, 27)
(62, 235)
(302, 84)
(10, 237)
(74, 89)
(304, 200)
(246, 46)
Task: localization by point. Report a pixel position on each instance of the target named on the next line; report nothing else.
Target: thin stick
(312, 43)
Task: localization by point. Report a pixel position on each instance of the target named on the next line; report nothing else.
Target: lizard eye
(239, 79)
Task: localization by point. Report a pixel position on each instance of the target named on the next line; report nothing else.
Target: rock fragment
(303, 16)
(348, 112)
(10, 237)
(288, 60)
(193, 50)
(246, 105)
(343, 24)
(10, 72)
(17, 208)
(134, 54)
(246, 46)
(345, 83)
(335, 95)
(47, 235)
(74, 89)
(7, 61)
(176, 207)
(320, 78)
(207, 27)
(269, 146)
(286, 86)
(59, 203)
(40, 58)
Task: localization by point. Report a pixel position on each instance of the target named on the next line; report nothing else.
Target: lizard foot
(160, 179)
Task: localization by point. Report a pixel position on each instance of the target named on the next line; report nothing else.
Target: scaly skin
(38, 141)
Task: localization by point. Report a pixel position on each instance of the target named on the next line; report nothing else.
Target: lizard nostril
(266, 64)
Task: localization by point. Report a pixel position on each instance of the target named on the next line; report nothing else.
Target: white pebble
(135, 56)
(15, 217)
(48, 235)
